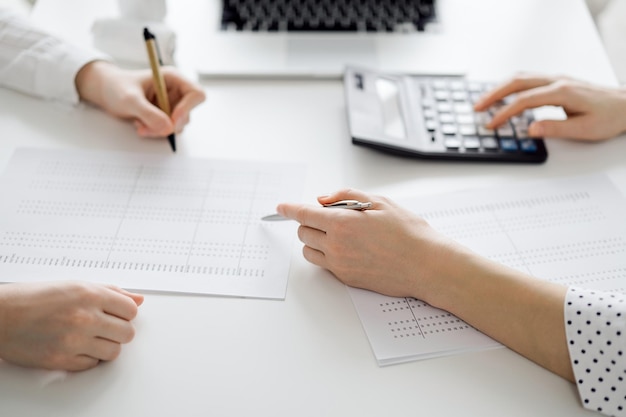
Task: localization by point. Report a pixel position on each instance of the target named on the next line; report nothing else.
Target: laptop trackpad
(331, 53)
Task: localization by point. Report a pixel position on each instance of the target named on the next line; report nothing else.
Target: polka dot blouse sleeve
(595, 324)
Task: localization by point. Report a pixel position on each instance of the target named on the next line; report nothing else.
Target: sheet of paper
(569, 230)
(147, 222)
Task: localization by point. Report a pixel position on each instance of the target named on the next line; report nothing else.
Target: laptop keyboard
(449, 117)
(327, 15)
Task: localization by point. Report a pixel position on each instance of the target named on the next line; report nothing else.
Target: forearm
(521, 312)
(4, 323)
(91, 81)
(622, 94)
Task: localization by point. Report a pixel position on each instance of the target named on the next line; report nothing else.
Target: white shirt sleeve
(595, 325)
(37, 63)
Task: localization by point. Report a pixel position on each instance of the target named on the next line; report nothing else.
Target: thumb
(572, 128)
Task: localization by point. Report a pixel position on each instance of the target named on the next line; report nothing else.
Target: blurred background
(609, 16)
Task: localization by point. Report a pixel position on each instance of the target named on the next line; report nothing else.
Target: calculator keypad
(450, 119)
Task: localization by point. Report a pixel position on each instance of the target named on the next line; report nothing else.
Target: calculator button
(521, 128)
(448, 129)
(482, 118)
(427, 103)
(442, 95)
(474, 87)
(475, 97)
(521, 133)
(431, 125)
(471, 142)
(465, 119)
(483, 131)
(467, 130)
(440, 84)
(459, 96)
(429, 113)
(444, 107)
(457, 86)
(451, 142)
(508, 144)
(505, 131)
(489, 142)
(463, 107)
(528, 145)
(446, 118)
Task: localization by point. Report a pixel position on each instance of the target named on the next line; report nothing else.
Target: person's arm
(593, 112)
(577, 334)
(130, 94)
(392, 251)
(64, 325)
(36, 63)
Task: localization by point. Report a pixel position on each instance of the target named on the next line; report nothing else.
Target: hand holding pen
(131, 95)
(386, 248)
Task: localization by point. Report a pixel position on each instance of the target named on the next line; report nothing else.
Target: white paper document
(147, 222)
(570, 231)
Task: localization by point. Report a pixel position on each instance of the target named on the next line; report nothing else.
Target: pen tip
(172, 140)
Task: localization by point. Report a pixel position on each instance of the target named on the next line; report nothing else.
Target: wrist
(90, 81)
(622, 95)
(455, 277)
(442, 274)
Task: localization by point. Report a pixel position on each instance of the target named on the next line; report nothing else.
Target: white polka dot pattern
(595, 323)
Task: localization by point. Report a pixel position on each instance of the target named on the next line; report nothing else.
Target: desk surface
(307, 355)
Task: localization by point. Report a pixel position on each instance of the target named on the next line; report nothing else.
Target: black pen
(159, 82)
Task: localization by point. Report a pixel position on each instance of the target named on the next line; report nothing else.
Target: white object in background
(612, 27)
(154, 10)
(123, 40)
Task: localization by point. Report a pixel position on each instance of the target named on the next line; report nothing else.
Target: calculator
(432, 117)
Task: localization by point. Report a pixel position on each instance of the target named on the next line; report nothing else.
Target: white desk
(307, 355)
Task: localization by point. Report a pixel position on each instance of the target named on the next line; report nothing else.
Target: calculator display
(389, 97)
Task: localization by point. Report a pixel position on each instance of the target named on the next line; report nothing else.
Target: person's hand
(64, 325)
(386, 249)
(392, 251)
(593, 112)
(131, 94)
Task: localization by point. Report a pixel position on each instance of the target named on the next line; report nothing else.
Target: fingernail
(535, 129)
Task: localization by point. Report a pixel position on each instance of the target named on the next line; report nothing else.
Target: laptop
(318, 38)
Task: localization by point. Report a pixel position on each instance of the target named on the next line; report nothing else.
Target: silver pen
(341, 204)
